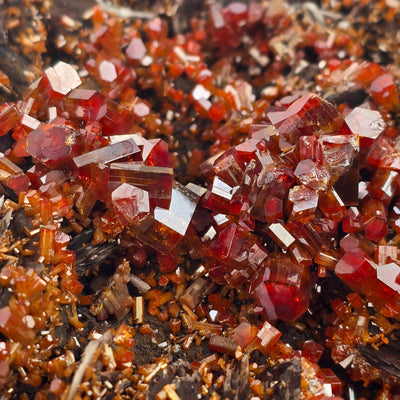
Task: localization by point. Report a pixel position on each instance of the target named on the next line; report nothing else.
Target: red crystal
(359, 273)
(50, 142)
(85, 104)
(284, 289)
(383, 91)
(56, 82)
(307, 115)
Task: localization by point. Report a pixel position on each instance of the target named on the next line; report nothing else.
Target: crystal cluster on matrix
(297, 190)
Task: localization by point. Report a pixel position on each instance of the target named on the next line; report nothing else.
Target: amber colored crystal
(30, 285)
(303, 202)
(166, 227)
(46, 244)
(281, 235)
(332, 205)
(383, 185)
(196, 291)
(222, 344)
(13, 326)
(157, 181)
(267, 337)
(9, 115)
(244, 334)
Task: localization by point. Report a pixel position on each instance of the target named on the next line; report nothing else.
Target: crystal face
(308, 115)
(85, 104)
(130, 201)
(50, 142)
(157, 181)
(166, 228)
(367, 124)
(107, 154)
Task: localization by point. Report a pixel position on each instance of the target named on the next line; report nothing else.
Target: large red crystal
(50, 142)
(284, 289)
(306, 116)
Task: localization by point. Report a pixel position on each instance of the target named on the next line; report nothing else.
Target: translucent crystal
(50, 142)
(312, 175)
(56, 83)
(9, 115)
(307, 115)
(135, 51)
(303, 201)
(267, 336)
(85, 104)
(131, 202)
(285, 288)
(166, 228)
(157, 181)
(384, 92)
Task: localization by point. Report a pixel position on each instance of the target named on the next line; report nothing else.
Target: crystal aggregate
(294, 190)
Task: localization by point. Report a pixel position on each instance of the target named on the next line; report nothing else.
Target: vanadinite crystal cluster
(202, 202)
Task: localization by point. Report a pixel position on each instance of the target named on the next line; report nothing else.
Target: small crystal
(135, 51)
(384, 92)
(9, 115)
(332, 205)
(267, 336)
(312, 175)
(303, 200)
(281, 235)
